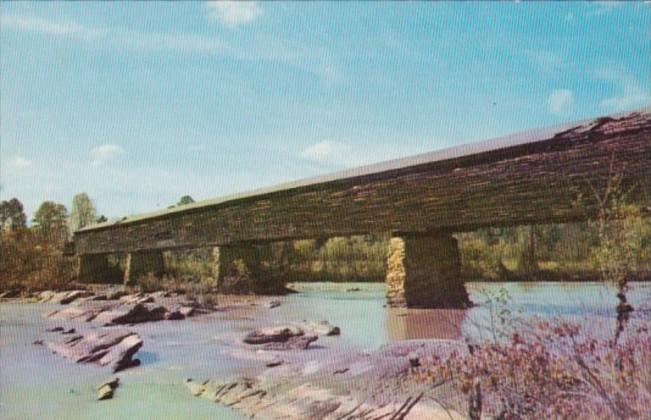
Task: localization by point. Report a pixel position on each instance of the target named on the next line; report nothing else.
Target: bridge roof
(463, 150)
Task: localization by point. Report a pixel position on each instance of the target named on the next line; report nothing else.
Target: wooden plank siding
(529, 178)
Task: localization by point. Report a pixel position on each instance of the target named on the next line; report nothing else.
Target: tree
(50, 221)
(185, 200)
(12, 215)
(101, 219)
(82, 213)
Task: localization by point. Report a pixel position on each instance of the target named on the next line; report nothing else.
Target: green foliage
(185, 200)
(29, 261)
(50, 220)
(12, 215)
(82, 212)
(624, 243)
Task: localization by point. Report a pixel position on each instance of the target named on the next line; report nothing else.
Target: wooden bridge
(541, 176)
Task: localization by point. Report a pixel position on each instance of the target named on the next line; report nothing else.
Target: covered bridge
(540, 176)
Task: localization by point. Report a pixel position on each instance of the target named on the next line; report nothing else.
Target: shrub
(551, 370)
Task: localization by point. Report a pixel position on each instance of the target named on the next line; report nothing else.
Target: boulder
(131, 314)
(319, 327)
(273, 335)
(114, 348)
(105, 390)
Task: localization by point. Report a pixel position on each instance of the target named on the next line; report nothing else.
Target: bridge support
(141, 263)
(248, 268)
(94, 268)
(423, 271)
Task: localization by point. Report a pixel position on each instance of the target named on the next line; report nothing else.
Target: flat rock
(276, 361)
(46, 295)
(114, 348)
(132, 298)
(131, 314)
(293, 343)
(195, 388)
(273, 334)
(272, 304)
(55, 329)
(114, 294)
(67, 297)
(86, 312)
(115, 312)
(319, 327)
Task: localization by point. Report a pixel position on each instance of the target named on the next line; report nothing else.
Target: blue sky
(140, 103)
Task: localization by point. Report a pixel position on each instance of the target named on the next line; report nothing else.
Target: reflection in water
(365, 322)
(408, 324)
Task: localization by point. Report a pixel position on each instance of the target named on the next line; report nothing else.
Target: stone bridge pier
(241, 268)
(423, 271)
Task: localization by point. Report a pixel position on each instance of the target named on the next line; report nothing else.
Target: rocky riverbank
(290, 371)
(335, 385)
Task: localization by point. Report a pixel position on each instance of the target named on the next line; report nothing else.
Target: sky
(139, 103)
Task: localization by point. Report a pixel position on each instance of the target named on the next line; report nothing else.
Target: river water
(34, 384)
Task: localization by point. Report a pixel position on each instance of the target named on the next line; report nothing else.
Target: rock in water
(195, 388)
(105, 391)
(276, 361)
(273, 304)
(55, 329)
(131, 314)
(273, 335)
(114, 348)
(294, 343)
(319, 327)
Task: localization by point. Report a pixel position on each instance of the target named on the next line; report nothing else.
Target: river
(35, 384)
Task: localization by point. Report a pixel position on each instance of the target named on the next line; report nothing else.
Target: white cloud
(106, 153)
(329, 152)
(632, 94)
(310, 58)
(34, 24)
(19, 162)
(560, 101)
(233, 13)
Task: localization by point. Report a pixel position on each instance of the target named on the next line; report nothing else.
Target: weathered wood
(535, 177)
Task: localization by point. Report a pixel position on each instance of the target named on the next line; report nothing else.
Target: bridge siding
(530, 183)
